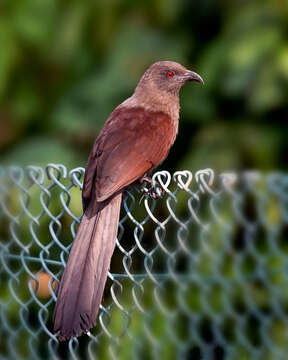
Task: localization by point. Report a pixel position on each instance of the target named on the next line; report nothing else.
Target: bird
(135, 138)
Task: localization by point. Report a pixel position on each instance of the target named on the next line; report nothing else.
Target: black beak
(192, 76)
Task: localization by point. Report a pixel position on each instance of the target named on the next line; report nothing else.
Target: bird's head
(167, 76)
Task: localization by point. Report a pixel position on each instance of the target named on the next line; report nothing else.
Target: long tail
(82, 284)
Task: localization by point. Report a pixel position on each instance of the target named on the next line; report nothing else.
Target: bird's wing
(132, 141)
(89, 177)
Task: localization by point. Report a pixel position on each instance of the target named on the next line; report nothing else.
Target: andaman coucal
(135, 139)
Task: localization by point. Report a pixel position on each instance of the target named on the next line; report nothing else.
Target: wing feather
(132, 141)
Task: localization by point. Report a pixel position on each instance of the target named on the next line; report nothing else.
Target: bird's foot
(153, 191)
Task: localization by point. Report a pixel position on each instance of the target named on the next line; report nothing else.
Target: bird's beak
(193, 76)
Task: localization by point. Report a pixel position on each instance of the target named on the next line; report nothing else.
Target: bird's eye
(170, 74)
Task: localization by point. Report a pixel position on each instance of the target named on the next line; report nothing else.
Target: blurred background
(64, 66)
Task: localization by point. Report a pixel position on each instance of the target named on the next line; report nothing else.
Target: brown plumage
(135, 138)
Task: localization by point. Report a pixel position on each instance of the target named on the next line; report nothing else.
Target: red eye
(170, 74)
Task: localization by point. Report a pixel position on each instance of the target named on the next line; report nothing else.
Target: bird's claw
(154, 191)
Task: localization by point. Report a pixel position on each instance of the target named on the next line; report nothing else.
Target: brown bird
(134, 140)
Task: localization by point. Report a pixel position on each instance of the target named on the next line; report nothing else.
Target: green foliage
(65, 65)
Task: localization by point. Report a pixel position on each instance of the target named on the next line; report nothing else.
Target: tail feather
(110, 230)
(83, 281)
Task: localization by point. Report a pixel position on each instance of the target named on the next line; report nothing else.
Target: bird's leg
(155, 192)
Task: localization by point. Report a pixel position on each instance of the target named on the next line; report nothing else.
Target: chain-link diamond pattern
(199, 274)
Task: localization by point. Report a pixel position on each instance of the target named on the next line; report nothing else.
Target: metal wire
(200, 273)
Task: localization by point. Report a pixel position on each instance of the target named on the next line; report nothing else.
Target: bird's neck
(166, 102)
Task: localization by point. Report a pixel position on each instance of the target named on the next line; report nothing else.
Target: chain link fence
(199, 274)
